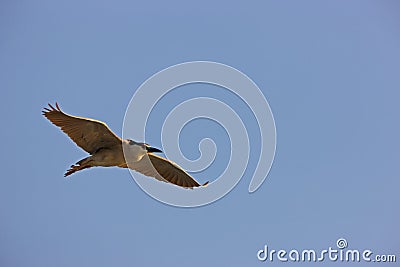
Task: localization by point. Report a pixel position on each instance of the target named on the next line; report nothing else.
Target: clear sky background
(330, 71)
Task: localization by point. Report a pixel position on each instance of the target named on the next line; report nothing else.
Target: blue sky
(328, 70)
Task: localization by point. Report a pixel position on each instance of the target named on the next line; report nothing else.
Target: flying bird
(106, 149)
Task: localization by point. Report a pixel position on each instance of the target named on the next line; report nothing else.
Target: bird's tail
(80, 165)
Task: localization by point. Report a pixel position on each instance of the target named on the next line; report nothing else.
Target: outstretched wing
(88, 134)
(164, 170)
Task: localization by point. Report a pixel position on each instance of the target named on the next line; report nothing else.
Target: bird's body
(106, 149)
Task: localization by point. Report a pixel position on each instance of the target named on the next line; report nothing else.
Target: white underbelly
(133, 153)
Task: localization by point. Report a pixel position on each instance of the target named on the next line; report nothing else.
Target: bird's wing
(88, 134)
(164, 170)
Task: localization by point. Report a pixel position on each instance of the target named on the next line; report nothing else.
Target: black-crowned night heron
(106, 149)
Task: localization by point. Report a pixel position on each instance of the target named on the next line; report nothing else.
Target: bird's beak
(152, 149)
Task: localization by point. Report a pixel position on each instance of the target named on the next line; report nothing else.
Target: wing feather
(164, 170)
(88, 134)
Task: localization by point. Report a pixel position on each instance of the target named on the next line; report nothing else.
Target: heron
(106, 149)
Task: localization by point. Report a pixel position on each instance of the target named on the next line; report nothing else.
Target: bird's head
(145, 146)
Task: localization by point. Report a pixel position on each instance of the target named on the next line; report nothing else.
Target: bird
(106, 149)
